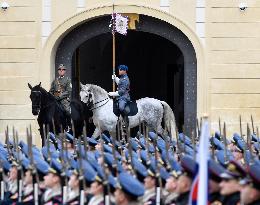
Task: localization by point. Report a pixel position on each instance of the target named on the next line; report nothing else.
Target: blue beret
(130, 185)
(122, 67)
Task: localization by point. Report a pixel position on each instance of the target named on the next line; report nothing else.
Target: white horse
(150, 110)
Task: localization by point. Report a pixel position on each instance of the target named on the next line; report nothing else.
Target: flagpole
(114, 45)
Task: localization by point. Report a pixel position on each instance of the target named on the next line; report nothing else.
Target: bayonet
(19, 167)
(148, 162)
(105, 181)
(157, 174)
(249, 145)
(219, 125)
(225, 143)
(242, 136)
(193, 144)
(198, 128)
(81, 178)
(252, 123)
(63, 174)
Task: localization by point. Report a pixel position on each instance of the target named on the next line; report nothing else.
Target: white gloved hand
(113, 94)
(116, 79)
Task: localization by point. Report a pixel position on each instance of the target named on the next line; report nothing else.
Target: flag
(199, 190)
(119, 23)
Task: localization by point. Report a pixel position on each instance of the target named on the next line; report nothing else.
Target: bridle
(38, 106)
(94, 108)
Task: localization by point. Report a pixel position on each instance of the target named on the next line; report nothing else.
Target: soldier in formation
(148, 169)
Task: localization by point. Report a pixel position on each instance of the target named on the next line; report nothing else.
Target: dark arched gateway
(161, 59)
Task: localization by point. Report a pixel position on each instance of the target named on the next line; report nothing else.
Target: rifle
(105, 182)
(249, 145)
(81, 178)
(193, 144)
(114, 164)
(19, 167)
(10, 156)
(198, 128)
(33, 169)
(148, 162)
(258, 141)
(242, 136)
(225, 143)
(130, 160)
(219, 125)
(157, 174)
(252, 123)
(2, 185)
(63, 174)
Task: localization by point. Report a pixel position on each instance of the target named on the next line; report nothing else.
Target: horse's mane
(97, 89)
(43, 91)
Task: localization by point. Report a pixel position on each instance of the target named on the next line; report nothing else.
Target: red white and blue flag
(199, 190)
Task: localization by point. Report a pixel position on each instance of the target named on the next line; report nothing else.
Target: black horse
(80, 113)
(48, 110)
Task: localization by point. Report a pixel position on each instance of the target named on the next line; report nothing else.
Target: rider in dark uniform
(61, 88)
(122, 92)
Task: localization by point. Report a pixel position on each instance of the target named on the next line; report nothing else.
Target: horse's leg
(96, 133)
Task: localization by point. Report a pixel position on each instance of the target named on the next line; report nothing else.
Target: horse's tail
(169, 119)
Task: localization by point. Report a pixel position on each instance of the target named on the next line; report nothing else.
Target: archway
(99, 26)
(155, 66)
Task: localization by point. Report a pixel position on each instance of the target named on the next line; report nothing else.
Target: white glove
(113, 94)
(116, 79)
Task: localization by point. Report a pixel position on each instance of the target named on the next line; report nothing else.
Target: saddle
(130, 108)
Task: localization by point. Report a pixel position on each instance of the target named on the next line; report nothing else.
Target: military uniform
(73, 197)
(123, 91)
(61, 88)
(52, 197)
(149, 197)
(97, 200)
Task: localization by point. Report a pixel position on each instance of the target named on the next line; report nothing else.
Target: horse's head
(35, 96)
(86, 94)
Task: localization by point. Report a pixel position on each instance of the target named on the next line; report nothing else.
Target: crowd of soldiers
(142, 169)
